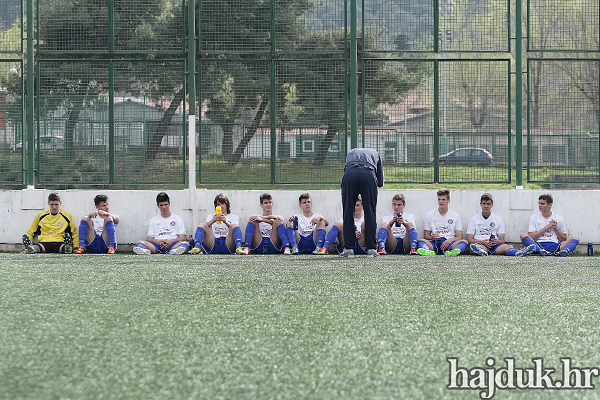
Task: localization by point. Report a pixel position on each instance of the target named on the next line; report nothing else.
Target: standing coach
(363, 174)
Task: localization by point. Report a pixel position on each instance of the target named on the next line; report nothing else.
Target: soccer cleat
(238, 251)
(110, 250)
(545, 252)
(452, 253)
(30, 249)
(294, 250)
(68, 243)
(316, 250)
(26, 241)
(413, 251)
(425, 252)
(79, 250)
(476, 250)
(322, 251)
(287, 251)
(246, 250)
(372, 253)
(141, 251)
(525, 251)
(197, 250)
(347, 253)
(564, 253)
(178, 251)
(381, 250)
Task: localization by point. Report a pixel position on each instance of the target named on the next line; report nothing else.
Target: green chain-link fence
(436, 91)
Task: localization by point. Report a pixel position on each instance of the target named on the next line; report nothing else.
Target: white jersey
(357, 222)
(305, 226)
(166, 228)
(445, 226)
(399, 231)
(537, 222)
(266, 228)
(221, 230)
(482, 228)
(98, 224)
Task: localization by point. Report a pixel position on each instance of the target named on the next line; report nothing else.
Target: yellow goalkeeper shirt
(51, 228)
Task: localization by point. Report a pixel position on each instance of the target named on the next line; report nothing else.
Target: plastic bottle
(218, 212)
(295, 227)
(398, 215)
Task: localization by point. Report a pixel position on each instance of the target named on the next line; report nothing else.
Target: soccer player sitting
(97, 229)
(392, 234)
(485, 233)
(55, 229)
(166, 232)
(337, 230)
(220, 233)
(442, 230)
(547, 231)
(265, 233)
(310, 231)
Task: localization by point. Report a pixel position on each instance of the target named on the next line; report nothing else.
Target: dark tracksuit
(363, 174)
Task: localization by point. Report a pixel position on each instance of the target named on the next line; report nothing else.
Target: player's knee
(523, 236)
(574, 238)
(86, 219)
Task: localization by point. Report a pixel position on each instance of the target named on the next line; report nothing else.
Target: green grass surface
(287, 327)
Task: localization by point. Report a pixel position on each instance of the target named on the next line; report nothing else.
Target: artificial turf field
(287, 327)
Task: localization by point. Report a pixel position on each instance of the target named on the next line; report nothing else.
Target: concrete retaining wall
(135, 208)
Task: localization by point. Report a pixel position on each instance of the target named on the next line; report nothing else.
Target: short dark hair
(547, 197)
(265, 196)
(399, 197)
(100, 199)
(303, 196)
(444, 192)
(222, 198)
(162, 197)
(53, 197)
(486, 197)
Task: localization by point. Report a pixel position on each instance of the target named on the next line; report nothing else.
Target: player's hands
(254, 218)
(435, 236)
(445, 243)
(316, 220)
(488, 243)
(93, 214)
(359, 235)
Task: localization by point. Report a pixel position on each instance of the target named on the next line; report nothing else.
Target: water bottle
(492, 236)
(590, 249)
(218, 212)
(398, 215)
(295, 227)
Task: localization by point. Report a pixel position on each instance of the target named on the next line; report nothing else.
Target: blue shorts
(98, 245)
(438, 243)
(551, 247)
(163, 251)
(220, 247)
(399, 249)
(306, 244)
(492, 250)
(266, 246)
(358, 249)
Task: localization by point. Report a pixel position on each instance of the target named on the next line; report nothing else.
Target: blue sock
(291, 235)
(462, 245)
(237, 236)
(83, 231)
(320, 237)
(412, 237)
(511, 252)
(381, 237)
(185, 245)
(141, 245)
(528, 241)
(421, 244)
(282, 233)
(331, 235)
(572, 245)
(249, 233)
(199, 237)
(110, 232)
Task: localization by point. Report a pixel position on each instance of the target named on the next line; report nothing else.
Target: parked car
(46, 143)
(467, 155)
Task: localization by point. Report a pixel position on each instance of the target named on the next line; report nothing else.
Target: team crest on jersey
(59, 224)
(450, 221)
(492, 224)
(172, 223)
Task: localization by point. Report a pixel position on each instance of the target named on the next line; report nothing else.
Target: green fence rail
(438, 91)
